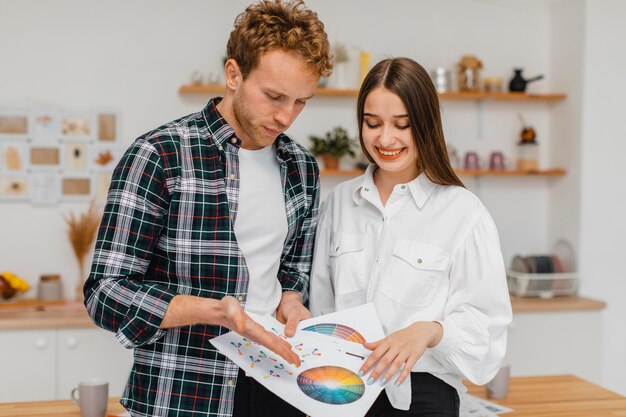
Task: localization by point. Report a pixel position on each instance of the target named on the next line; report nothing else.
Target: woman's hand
(400, 350)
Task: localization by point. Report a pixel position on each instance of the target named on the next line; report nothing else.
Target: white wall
(603, 184)
(133, 56)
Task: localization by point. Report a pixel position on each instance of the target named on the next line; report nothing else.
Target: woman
(410, 238)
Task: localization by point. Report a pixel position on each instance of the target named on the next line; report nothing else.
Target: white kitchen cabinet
(27, 365)
(551, 343)
(45, 364)
(87, 354)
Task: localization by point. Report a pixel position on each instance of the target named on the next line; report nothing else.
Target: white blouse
(432, 253)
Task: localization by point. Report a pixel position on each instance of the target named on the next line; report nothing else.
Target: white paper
(477, 407)
(326, 383)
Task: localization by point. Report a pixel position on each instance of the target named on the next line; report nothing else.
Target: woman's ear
(233, 74)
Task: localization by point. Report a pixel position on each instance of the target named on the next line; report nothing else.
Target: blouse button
(230, 382)
(403, 187)
(233, 140)
(240, 298)
(232, 176)
(419, 260)
(221, 148)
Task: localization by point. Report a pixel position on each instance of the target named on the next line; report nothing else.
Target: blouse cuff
(449, 340)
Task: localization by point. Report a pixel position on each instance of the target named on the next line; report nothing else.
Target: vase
(330, 162)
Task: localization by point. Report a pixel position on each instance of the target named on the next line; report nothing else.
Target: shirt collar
(219, 129)
(221, 132)
(421, 187)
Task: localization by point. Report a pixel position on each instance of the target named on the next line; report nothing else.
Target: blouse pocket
(347, 263)
(414, 273)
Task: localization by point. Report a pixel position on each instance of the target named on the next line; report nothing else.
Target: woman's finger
(408, 366)
(383, 363)
(395, 366)
(378, 352)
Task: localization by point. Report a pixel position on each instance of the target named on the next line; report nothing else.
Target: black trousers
(430, 397)
(254, 400)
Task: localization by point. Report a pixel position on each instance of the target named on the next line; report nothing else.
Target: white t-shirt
(261, 226)
(432, 253)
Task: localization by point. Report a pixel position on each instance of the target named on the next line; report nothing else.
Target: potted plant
(332, 146)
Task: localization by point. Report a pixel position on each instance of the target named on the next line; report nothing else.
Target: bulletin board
(48, 155)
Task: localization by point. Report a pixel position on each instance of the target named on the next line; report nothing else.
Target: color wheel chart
(337, 330)
(331, 384)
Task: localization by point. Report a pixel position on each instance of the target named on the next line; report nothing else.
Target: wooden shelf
(464, 173)
(350, 92)
(560, 303)
(502, 96)
(510, 173)
(342, 172)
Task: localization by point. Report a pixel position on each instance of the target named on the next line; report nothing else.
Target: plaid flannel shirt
(167, 229)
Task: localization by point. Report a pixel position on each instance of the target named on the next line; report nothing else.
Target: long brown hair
(410, 82)
(287, 25)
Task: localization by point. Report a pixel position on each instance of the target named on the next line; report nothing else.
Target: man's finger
(290, 326)
(273, 343)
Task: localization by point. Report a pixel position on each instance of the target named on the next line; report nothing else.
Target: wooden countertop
(36, 314)
(557, 396)
(540, 396)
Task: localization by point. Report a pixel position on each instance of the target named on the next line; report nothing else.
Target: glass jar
(50, 288)
(528, 156)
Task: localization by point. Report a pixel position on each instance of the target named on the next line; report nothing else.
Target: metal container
(441, 79)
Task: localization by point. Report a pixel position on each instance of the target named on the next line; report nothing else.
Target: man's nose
(285, 115)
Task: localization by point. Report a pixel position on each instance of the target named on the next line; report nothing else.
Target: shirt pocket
(347, 263)
(414, 273)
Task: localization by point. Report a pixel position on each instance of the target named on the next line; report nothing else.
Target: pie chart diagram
(331, 384)
(337, 330)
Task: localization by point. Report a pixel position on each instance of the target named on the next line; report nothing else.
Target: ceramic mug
(93, 396)
(471, 161)
(496, 161)
(498, 387)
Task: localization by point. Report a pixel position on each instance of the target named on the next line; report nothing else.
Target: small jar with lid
(528, 151)
(50, 288)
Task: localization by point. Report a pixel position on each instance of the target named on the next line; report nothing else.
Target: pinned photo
(13, 125)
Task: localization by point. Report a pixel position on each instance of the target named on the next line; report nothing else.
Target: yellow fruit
(16, 282)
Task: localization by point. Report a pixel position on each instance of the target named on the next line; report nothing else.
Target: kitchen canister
(50, 288)
(441, 79)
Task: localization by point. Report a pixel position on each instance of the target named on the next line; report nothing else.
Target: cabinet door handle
(41, 343)
(71, 342)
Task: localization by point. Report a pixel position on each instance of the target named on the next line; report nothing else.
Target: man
(210, 214)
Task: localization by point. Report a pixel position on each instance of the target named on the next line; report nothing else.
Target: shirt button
(403, 187)
(233, 140)
(230, 382)
(419, 260)
(366, 189)
(221, 148)
(232, 176)
(241, 298)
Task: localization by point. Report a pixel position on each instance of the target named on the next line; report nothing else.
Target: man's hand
(291, 311)
(232, 316)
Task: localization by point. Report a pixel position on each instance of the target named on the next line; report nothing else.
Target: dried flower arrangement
(82, 230)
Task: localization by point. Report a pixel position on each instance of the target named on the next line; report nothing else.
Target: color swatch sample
(337, 330)
(331, 385)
